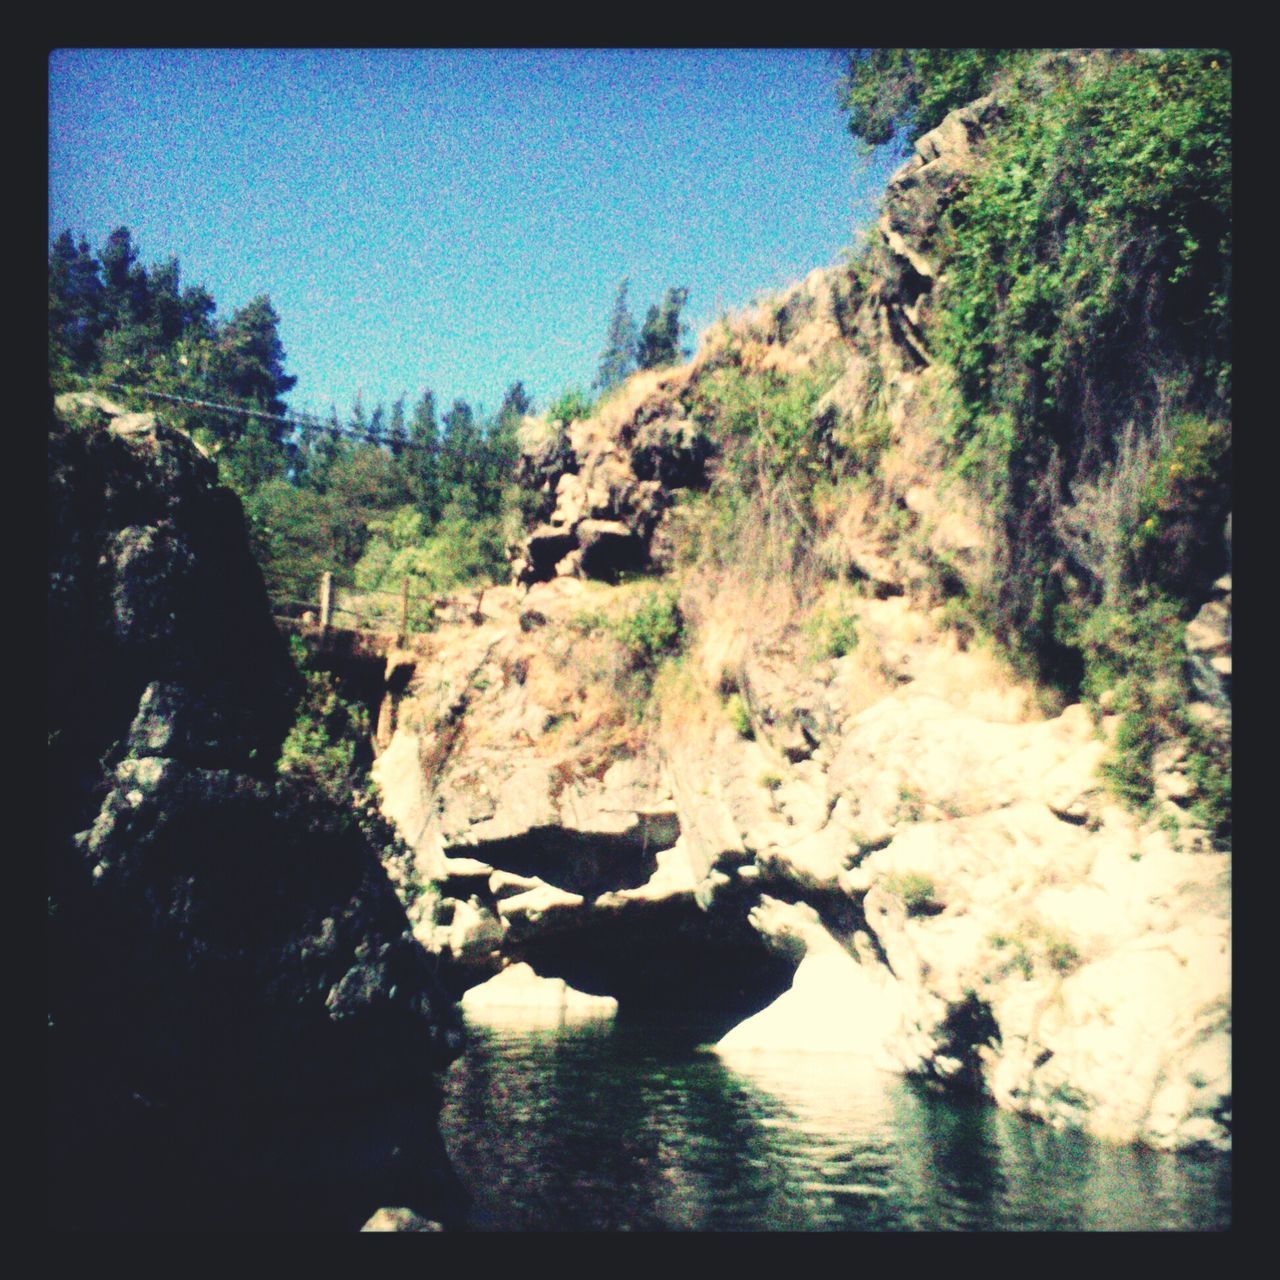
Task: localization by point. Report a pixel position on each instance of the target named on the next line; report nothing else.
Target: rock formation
(899, 834)
(241, 1028)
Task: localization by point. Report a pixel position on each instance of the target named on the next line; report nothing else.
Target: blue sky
(459, 219)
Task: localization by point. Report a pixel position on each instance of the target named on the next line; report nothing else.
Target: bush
(898, 94)
(915, 890)
(1135, 653)
(572, 405)
(463, 548)
(765, 422)
(739, 716)
(1087, 286)
(833, 631)
(651, 631)
(1209, 767)
(1033, 941)
(327, 747)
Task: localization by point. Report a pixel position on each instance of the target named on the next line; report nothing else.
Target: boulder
(519, 990)
(228, 958)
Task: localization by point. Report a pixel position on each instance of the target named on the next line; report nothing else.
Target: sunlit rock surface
(517, 993)
(904, 853)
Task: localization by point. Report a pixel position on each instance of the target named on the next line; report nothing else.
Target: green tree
(572, 405)
(125, 283)
(661, 332)
(250, 358)
(619, 356)
(458, 450)
(76, 302)
(895, 95)
(397, 432)
(296, 535)
(167, 311)
(424, 458)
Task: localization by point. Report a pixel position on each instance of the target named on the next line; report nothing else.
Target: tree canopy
(661, 333)
(619, 356)
(892, 96)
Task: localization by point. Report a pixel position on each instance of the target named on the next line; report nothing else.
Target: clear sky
(459, 219)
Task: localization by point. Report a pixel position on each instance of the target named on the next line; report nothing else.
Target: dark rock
(545, 548)
(609, 548)
(228, 960)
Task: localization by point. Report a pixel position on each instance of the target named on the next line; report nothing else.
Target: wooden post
(326, 600)
(404, 612)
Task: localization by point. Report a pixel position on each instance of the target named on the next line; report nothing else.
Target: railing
(344, 609)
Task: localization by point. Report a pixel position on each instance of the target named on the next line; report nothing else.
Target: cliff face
(905, 837)
(240, 1027)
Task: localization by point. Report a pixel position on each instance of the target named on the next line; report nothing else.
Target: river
(634, 1126)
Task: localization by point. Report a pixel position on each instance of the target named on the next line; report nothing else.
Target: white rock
(520, 991)
(835, 1005)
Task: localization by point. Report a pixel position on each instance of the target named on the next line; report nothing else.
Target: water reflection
(604, 1126)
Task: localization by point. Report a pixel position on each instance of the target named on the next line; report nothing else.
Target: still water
(604, 1126)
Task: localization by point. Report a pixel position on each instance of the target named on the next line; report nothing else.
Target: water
(632, 1127)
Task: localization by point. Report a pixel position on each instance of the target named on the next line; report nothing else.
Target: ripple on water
(623, 1127)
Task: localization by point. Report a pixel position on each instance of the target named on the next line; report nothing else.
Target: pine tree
(619, 356)
(76, 302)
(424, 458)
(458, 449)
(397, 432)
(124, 280)
(661, 333)
(250, 358)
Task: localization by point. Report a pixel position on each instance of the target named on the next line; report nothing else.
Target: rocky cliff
(241, 1029)
(880, 841)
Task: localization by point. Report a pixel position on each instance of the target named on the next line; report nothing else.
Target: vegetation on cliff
(1075, 321)
(1085, 312)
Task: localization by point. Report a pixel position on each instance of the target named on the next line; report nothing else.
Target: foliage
(654, 629)
(895, 95)
(915, 890)
(324, 746)
(573, 405)
(619, 356)
(1209, 768)
(1188, 487)
(739, 716)
(296, 537)
(660, 335)
(460, 548)
(1032, 941)
(1100, 221)
(316, 498)
(832, 629)
(1134, 655)
(767, 428)
(1084, 312)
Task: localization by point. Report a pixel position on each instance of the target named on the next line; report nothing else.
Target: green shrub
(1136, 654)
(910, 804)
(572, 405)
(1088, 270)
(462, 549)
(915, 890)
(765, 422)
(833, 632)
(1032, 941)
(1209, 768)
(898, 94)
(1061, 953)
(327, 745)
(739, 716)
(651, 631)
